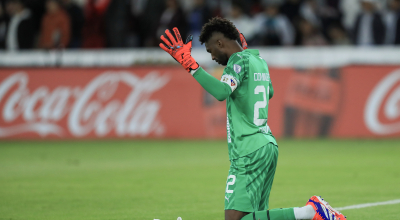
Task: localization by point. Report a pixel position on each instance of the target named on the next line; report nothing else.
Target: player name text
(261, 77)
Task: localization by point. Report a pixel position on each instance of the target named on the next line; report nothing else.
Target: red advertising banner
(353, 101)
(166, 102)
(101, 103)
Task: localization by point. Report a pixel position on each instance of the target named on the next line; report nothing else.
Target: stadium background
(100, 123)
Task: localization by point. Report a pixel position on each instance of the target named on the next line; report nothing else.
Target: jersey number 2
(260, 104)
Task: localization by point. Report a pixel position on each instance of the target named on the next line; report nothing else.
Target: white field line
(359, 206)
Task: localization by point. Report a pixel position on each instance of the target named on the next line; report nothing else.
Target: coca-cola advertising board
(100, 103)
(166, 102)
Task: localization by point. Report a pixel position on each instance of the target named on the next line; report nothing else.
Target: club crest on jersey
(237, 68)
(233, 82)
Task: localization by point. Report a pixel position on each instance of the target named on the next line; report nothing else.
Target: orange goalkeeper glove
(242, 40)
(179, 51)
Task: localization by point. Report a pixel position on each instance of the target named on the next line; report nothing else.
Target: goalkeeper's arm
(216, 88)
(182, 53)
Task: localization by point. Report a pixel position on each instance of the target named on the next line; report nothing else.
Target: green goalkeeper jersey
(247, 87)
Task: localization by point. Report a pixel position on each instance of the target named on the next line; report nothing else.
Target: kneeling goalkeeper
(253, 151)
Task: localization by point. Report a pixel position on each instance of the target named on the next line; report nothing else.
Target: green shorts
(250, 180)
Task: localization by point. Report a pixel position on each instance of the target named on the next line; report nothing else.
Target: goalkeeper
(253, 151)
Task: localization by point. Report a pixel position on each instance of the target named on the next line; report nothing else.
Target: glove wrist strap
(192, 72)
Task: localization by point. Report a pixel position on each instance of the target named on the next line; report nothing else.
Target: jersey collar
(253, 51)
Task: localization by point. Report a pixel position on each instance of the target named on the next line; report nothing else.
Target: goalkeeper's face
(216, 47)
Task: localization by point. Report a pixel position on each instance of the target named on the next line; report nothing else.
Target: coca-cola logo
(382, 111)
(89, 109)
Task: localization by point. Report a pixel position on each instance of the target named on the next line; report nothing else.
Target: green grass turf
(165, 179)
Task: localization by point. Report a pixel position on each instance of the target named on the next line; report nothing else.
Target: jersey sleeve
(234, 73)
(216, 88)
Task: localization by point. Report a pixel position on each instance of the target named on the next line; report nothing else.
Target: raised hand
(242, 40)
(178, 50)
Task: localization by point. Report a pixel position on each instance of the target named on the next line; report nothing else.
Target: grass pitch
(145, 180)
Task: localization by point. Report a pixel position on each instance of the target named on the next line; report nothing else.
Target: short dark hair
(218, 24)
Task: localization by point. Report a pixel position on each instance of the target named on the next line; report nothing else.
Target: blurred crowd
(52, 24)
